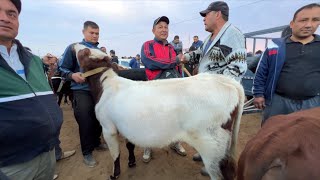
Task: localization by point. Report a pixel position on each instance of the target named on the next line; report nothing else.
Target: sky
(49, 26)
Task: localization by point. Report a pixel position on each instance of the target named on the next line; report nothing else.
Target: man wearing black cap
(30, 118)
(223, 52)
(159, 59)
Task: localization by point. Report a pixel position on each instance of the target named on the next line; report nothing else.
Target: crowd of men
(30, 122)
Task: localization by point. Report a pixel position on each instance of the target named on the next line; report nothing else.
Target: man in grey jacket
(177, 44)
(223, 51)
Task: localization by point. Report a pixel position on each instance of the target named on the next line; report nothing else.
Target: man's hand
(259, 102)
(49, 60)
(195, 70)
(78, 78)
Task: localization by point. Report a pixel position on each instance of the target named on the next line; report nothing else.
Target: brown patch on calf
(90, 63)
(95, 86)
(229, 123)
(228, 164)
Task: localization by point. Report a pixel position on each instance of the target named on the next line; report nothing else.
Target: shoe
(89, 160)
(197, 157)
(204, 171)
(177, 147)
(146, 155)
(102, 147)
(55, 176)
(67, 154)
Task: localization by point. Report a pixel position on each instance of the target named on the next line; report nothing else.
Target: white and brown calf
(203, 111)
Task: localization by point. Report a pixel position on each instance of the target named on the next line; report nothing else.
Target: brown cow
(286, 147)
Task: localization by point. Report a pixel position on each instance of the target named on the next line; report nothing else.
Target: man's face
(161, 31)
(9, 21)
(210, 21)
(306, 23)
(176, 40)
(138, 58)
(195, 39)
(91, 34)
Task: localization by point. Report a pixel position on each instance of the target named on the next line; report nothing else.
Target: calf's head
(91, 58)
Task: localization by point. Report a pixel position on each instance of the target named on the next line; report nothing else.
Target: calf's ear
(83, 53)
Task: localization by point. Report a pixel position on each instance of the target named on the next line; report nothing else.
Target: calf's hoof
(131, 165)
(113, 177)
(132, 162)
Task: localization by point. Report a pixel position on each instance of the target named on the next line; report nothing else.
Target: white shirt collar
(3, 49)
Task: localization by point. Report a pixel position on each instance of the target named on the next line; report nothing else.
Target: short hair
(195, 37)
(309, 6)
(224, 17)
(91, 24)
(176, 37)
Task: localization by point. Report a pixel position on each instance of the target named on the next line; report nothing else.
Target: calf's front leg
(112, 140)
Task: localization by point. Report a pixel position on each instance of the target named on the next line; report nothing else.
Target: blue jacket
(134, 63)
(269, 69)
(197, 44)
(30, 118)
(69, 65)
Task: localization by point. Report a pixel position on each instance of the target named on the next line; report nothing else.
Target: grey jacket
(226, 54)
(177, 46)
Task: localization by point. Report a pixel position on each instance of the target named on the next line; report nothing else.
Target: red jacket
(156, 57)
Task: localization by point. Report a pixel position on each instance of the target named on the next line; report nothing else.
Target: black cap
(17, 4)
(216, 6)
(159, 19)
(112, 52)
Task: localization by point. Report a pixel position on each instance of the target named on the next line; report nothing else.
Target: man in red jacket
(159, 59)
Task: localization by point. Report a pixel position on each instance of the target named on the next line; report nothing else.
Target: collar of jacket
(90, 44)
(24, 56)
(160, 42)
(289, 40)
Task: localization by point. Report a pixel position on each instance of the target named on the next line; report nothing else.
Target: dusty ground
(165, 165)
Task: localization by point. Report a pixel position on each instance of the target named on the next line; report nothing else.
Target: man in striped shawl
(223, 51)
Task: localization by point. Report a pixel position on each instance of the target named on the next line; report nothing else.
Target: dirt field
(165, 165)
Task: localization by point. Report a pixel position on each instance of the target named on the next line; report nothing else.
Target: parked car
(124, 63)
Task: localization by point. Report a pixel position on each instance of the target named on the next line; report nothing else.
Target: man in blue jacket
(287, 77)
(30, 118)
(83, 102)
(135, 62)
(196, 42)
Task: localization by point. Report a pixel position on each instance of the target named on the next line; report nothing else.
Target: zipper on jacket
(274, 76)
(30, 88)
